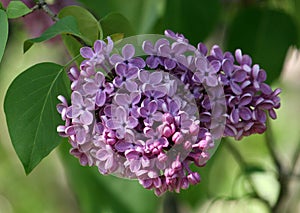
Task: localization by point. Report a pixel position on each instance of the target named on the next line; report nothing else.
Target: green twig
(295, 160)
(283, 175)
(170, 204)
(243, 166)
(270, 142)
(72, 60)
(42, 5)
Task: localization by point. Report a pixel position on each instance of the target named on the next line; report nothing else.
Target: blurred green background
(268, 30)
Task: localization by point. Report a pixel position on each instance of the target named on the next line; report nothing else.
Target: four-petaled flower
(125, 76)
(122, 122)
(100, 87)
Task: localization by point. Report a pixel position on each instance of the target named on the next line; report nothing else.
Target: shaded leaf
(73, 47)
(116, 23)
(66, 25)
(196, 19)
(16, 9)
(98, 193)
(30, 108)
(141, 14)
(265, 35)
(297, 17)
(88, 27)
(3, 32)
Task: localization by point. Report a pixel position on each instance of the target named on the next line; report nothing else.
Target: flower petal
(86, 118)
(128, 51)
(131, 86)
(86, 52)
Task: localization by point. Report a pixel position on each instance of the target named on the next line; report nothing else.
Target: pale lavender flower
(128, 52)
(206, 73)
(100, 87)
(125, 76)
(122, 122)
(81, 108)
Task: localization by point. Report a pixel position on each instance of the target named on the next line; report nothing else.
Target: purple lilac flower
(153, 118)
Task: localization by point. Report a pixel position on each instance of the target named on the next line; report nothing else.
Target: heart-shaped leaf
(88, 26)
(17, 9)
(141, 14)
(116, 23)
(66, 25)
(30, 108)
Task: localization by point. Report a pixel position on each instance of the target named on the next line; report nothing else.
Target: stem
(170, 204)
(270, 145)
(44, 6)
(283, 175)
(296, 159)
(243, 165)
(71, 61)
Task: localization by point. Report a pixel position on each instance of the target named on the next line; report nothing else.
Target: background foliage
(263, 29)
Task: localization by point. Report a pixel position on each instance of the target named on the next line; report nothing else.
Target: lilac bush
(151, 117)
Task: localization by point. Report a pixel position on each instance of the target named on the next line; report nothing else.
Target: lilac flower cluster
(151, 118)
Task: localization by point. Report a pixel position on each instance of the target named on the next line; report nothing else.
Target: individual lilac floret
(152, 118)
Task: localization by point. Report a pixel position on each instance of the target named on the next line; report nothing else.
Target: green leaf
(1, 6)
(88, 27)
(66, 25)
(97, 193)
(196, 19)
(264, 34)
(17, 9)
(73, 47)
(30, 108)
(116, 23)
(3, 32)
(141, 14)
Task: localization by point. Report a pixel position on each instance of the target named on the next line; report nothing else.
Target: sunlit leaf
(3, 32)
(116, 37)
(265, 35)
(16, 9)
(98, 193)
(30, 108)
(196, 19)
(116, 23)
(66, 25)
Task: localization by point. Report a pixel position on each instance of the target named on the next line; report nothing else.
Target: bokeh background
(268, 30)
